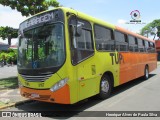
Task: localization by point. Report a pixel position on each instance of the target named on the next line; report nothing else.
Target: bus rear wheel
(105, 87)
(146, 73)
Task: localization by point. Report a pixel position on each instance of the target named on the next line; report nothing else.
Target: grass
(4, 104)
(1, 104)
(9, 83)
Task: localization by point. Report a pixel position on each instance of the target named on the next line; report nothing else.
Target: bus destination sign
(37, 20)
(51, 16)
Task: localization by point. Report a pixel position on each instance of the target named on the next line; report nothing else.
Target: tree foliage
(29, 7)
(8, 56)
(149, 26)
(9, 33)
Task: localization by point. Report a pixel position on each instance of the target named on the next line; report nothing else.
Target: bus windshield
(42, 47)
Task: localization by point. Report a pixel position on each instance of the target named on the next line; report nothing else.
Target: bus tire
(105, 87)
(146, 73)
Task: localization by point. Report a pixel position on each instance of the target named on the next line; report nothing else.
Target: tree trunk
(9, 40)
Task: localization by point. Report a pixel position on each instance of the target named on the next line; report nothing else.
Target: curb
(14, 104)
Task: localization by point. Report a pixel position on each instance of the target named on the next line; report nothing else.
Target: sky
(116, 12)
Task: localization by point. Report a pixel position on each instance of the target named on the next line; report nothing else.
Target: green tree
(148, 29)
(9, 33)
(29, 7)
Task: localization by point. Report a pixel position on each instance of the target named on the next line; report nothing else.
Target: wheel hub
(105, 86)
(147, 74)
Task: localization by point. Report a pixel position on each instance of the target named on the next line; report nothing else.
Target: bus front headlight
(59, 85)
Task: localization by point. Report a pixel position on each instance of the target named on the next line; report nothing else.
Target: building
(13, 47)
(3, 46)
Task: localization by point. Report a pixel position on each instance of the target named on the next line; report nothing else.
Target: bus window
(152, 47)
(154, 50)
(81, 45)
(136, 48)
(149, 44)
(121, 41)
(140, 45)
(104, 38)
(146, 46)
(132, 44)
(143, 42)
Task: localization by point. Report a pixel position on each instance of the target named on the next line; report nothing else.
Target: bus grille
(40, 78)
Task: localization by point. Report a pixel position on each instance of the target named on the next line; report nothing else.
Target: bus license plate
(34, 95)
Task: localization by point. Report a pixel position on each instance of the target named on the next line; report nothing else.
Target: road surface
(6, 72)
(137, 95)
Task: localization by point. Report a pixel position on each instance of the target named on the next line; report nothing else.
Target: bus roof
(101, 22)
(87, 17)
(98, 21)
(133, 34)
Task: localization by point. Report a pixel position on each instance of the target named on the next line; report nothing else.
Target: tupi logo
(116, 58)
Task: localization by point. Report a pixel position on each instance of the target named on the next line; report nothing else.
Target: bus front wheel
(146, 73)
(105, 87)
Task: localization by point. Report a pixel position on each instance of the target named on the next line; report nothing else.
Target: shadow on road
(67, 111)
(129, 85)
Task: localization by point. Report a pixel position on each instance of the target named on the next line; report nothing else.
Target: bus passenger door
(82, 53)
(87, 80)
(82, 59)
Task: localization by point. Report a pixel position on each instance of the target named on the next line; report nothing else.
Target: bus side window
(104, 38)
(146, 46)
(132, 44)
(143, 42)
(121, 41)
(136, 46)
(152, 48)
(140, 45)
(149, 48)
(81, 45)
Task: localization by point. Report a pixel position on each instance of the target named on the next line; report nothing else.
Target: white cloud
(9, 17)
(121, 21)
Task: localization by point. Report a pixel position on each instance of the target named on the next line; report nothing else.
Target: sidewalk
(10, 97)
(6, 72)
(9, 92)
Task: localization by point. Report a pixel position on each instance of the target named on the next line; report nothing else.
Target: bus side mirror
(78, 31)
(73, 38)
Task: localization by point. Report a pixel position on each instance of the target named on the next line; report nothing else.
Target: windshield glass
(42, 47)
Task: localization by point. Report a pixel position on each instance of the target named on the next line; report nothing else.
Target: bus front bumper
(61, 96)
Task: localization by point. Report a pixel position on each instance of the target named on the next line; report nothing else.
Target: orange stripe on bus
(134, 65)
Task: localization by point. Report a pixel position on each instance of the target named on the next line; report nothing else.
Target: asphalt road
(137, 95)
(6, 72)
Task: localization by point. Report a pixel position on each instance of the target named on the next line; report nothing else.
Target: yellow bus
(65, 56)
